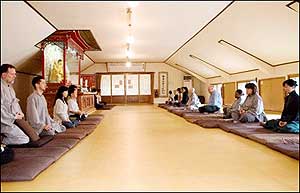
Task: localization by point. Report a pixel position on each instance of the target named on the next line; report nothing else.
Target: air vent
(187, 77)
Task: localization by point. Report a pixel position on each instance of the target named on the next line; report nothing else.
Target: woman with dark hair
(185, 96)
(60, 110)
(289, 121)
(74, 111)
(252, 110)
(178, 97)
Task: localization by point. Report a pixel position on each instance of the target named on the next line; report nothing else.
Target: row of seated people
(250, 109)
(15, 130)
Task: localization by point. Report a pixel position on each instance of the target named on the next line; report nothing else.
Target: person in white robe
(194, 102)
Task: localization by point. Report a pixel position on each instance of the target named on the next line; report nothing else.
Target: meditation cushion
(25, 168)
(53, 152)
(194, 116)
(211, 123)
(61, 142)
(70, 135)
(244, 129)
(180, 112)
(275, 138)
(87, 129)
(290, 149)
(89, 122)
(39, 143)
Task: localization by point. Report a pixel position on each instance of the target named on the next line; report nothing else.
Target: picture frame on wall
(163, 84)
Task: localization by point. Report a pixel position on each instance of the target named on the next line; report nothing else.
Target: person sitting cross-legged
(194, 102)
(13, 125)
(289, 121)
(236, 105)
(215, 101)
(60, 110)
(74, 111)
(37, 112)
(252, 110)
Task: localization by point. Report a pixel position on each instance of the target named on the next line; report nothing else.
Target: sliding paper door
(132, 88)
(118, 88)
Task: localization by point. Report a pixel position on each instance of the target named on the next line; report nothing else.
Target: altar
(63, 52)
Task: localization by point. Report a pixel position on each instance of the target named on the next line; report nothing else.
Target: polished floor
(145, 148)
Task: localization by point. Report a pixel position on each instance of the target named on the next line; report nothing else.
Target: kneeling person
(11, 113)
(289, 121)
(252, 110)
(37, 112)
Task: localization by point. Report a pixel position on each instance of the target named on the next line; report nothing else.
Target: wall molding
(252, 55)
(214, 66)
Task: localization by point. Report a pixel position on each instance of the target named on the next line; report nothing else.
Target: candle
(81, 80)
(86, 83)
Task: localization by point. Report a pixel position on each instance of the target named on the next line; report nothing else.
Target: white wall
(21, 29)
(175, 77)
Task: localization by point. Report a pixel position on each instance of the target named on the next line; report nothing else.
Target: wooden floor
(147, 148)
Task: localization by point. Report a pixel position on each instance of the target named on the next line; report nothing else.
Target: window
(218, 87)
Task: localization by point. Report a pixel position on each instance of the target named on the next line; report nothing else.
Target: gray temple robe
(235, 107)
(254, 108)
(9, 108)
(37, 115)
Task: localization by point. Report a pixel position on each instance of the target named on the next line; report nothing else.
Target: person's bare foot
(235, 121)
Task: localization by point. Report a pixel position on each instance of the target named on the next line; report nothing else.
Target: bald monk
(13, 126)
(215, 101)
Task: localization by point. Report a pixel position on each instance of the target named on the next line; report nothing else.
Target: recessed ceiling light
(128, 64)
(133, 4)
(128, 53)
(130, 39)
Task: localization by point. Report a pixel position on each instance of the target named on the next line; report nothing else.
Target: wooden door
(272, 93)
(228, 93)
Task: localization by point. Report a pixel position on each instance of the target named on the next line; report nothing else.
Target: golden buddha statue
(57, 72)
